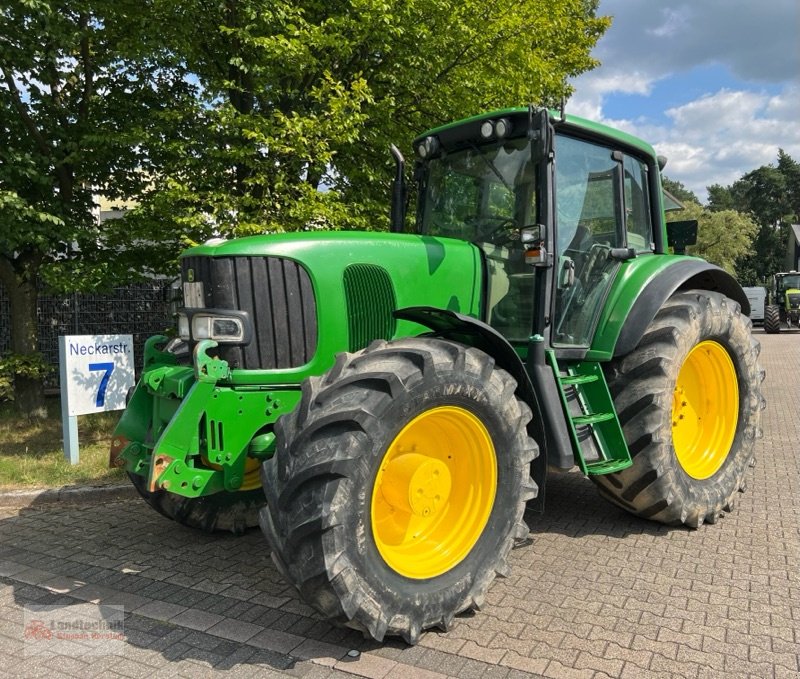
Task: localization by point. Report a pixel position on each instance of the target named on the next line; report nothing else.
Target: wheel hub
(416, 484)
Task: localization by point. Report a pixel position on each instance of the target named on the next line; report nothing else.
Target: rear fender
(684, 274)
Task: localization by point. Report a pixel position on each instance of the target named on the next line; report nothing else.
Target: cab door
(602, 217)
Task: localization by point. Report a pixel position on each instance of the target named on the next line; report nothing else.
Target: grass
(32, 453)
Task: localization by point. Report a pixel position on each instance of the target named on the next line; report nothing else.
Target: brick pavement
(598, 593)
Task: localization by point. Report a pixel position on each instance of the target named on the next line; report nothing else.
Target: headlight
(183, 327)
(219, 328)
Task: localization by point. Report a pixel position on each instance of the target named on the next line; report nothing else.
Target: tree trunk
(23, 297)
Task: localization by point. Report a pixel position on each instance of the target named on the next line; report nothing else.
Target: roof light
(502, 128)
(487, 129)
(427, 147)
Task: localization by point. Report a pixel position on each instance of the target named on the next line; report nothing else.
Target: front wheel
(689, 401)
(399, 484)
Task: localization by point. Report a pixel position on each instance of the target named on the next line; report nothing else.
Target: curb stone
(66, 494)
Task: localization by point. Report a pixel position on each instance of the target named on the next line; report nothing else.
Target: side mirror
(681, 234)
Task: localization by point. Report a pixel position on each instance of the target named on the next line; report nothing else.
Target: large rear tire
(226, 512)
(689, 400)
(398, 486)
(772, 319)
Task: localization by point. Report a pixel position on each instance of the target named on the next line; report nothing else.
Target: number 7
(101, 392)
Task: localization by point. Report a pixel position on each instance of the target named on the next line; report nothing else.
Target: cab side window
(638, 224)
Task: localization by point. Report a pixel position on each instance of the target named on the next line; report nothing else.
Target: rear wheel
(772, 318)
(689, 400)
(224, 511)
(399, 485)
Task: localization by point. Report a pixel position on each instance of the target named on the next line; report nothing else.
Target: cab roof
(569, 122)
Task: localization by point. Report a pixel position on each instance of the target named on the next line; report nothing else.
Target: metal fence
(141, 310)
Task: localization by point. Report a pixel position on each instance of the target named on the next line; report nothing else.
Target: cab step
(598, 443)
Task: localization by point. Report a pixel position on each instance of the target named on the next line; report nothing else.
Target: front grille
(794, 300)
(276, 293)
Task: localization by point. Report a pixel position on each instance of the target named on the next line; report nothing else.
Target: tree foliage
(723, 236)
(77, 86)
(678, 190)
(298, 96)
(237, 117)
(770, 195)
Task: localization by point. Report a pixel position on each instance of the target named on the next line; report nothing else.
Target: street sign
(96, 373)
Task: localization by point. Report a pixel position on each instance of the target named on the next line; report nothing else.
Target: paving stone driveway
(598, 593)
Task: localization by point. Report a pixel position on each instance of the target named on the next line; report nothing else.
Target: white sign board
(96, 372)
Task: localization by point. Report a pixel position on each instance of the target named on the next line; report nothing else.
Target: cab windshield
(485, 195)
(788, 282)
(482, 194)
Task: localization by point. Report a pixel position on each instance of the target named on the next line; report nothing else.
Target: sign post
(96, 373)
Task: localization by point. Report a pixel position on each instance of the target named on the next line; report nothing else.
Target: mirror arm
(399, 190)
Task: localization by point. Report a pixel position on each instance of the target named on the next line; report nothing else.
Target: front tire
(398, 486)
(689, 400)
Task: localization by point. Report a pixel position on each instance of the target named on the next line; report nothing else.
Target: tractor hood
(304, 297)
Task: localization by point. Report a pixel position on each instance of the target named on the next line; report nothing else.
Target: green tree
(790, 171)
(678, 190)
(722, 236)
(237, 117)
(720, 198)
(303, 96)
(77, 86)
(770, 195)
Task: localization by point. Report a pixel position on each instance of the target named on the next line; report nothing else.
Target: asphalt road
(597, 593)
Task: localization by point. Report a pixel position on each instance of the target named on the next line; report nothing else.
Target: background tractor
(387, 405)
(784, 306)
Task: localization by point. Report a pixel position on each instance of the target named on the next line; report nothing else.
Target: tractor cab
(787, 290)
(553, 208)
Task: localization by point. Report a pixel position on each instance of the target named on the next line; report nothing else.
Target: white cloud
(588, 98)
(757, 41)
(675, 21)
(715, 137)
(720, 136)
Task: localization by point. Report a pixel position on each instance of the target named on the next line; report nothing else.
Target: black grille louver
(371, 303)
(279, 298)
(794, 300)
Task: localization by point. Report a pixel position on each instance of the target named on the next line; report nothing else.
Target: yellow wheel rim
(434, 492)
(705, 410)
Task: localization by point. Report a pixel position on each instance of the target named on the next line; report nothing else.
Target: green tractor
(785, 303)
(387, 405)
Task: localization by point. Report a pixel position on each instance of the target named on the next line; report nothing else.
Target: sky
(713, 85)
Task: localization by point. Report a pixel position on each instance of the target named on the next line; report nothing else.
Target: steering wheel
(495, 229)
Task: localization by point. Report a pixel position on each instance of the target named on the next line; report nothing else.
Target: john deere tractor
(387, 404)
(785, 303)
